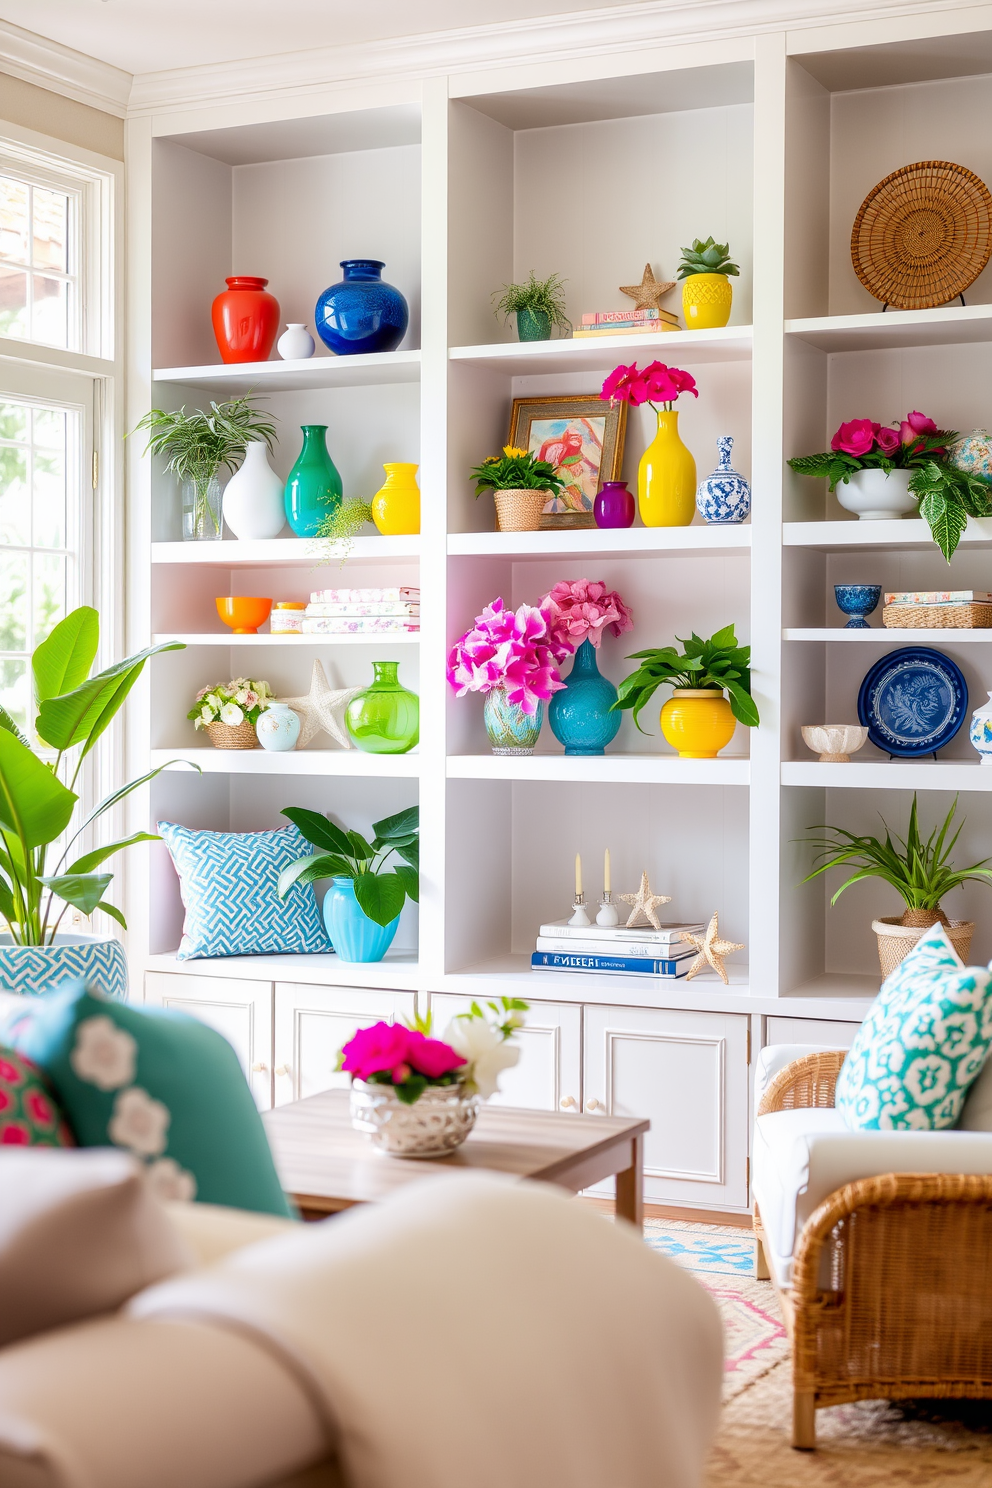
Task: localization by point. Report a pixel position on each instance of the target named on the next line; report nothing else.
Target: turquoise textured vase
(510, 729)
(353, 935)
(313, 490)
(580, 717)
(384, 718)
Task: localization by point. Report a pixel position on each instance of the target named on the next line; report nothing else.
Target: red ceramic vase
(246, 320)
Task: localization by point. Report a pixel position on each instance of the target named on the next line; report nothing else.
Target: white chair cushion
(801, 1157)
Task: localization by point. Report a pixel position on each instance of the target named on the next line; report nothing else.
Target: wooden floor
(673, 1211)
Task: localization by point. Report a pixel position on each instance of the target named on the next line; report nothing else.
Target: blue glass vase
(353, 935)
(580, 717)
(361, 313)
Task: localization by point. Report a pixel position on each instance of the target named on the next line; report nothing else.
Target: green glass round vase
(384, 718)
(313, 491)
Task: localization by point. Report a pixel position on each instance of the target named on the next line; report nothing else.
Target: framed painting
(582, 437)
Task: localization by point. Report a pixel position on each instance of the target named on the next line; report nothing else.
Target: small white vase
(295, 344)
(253, 501)
(877, 495)
(278, 728)
(980, 732)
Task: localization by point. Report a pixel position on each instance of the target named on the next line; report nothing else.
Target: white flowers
(168, 1181)
(140, 1123)
(231, 714)
(486, 1050)
(104, 1055)
(238, 701)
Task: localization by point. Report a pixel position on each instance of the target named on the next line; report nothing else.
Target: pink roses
(391, 1048)
(655, 384)
(861, 437)
(582, 610)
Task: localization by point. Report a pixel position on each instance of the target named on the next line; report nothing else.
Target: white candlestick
(606, 872)
(578, 876)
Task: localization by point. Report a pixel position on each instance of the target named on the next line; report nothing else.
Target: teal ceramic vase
(580, 717)
(353, 935)
(533, 325)
(384, 718)
(313, 490)
(510, 729)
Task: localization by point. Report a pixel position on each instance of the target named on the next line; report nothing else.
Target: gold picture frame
(582, 436)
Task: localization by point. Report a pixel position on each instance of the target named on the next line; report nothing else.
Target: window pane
(14, 610)
(50, 321)
(13, 302)
(49, 595)
(15, 496)
(49, 428)
(49, 500)
(51, 224)
(14, 421)
(14, 220)
(14, 692)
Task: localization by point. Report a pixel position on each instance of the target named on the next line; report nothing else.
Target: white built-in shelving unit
(461, 182)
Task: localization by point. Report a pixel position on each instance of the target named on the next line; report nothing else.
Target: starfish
(320, 707)
(644, 902)
(648, 292)
(711, 950)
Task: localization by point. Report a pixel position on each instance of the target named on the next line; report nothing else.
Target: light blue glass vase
(580, 717)
(510, 729)
(353, 935)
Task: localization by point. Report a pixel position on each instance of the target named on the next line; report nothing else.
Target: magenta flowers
(898, 446)
(656, 384)
(581, 611)
(511, 649)
(390, 1050)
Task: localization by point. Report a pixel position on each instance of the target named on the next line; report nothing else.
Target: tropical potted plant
(512, 657)
(362, 906)
(38, 799)
(920, 872)
(697, 719)
(228, 712)
(196, 446)
(666, 475)
(521, 485)
(418, 1096)
(538, 305)
(706, 293)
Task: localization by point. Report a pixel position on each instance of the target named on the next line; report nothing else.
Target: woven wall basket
(923, 235)
(232, 736)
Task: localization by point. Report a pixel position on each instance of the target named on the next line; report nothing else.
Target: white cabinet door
(548, 1076)
(829, 1033)
(312, 1023)
(240, 1010)
(686, 1072)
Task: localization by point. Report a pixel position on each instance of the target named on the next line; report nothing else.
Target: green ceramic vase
(384, 718)
(533, 325)
(313, 491)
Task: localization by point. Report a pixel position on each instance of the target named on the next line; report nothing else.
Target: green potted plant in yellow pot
(706, 291)
(697, 720)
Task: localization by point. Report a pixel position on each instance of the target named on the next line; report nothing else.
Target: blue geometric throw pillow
(922, 1044)
(228, 884)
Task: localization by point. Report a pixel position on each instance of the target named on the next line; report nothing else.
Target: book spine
(623, 965)
(654, 329)
(609, 936)
(674, 952)
(937, 597)
(610, 317)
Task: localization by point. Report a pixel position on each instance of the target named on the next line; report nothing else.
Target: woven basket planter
(971, 616)
(895, 941)
(519, 511)
(232, 736)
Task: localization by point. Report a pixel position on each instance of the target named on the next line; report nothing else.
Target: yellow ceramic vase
(706, 301)
(396, 506)
(666, 478)
(697, 722)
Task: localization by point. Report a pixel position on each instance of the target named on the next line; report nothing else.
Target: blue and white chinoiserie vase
(510, 729)
(94, 959)
(981, 731)
(724, 496)
(858, 601)
(361, 313)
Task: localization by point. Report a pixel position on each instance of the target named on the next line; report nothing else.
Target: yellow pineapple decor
(706, 292)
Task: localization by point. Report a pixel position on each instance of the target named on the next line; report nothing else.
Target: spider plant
(538, 297)
(919, 871)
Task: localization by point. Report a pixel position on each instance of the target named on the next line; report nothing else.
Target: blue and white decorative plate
(913, 701)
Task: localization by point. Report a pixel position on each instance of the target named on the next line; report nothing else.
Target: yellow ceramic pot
(697, 722)
(706, 301)
(666, 478)
(396, 505)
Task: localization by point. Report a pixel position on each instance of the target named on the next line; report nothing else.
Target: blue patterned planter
(354, 936)
(32, 970)
(510, 729)
(724, 496)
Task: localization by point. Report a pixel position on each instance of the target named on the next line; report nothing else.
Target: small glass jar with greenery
(538, 306)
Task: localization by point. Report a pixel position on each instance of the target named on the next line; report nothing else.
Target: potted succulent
(511, 656)
(38, 800)
(521, 485)
(228, 712)
(697, 719)
(538, 306)
(362, 906)
(919, 871)
(706, 293)
(418, 1096)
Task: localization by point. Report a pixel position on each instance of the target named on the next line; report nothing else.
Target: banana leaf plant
(38, 794)
(344, 854)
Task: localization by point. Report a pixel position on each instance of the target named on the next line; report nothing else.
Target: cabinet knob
(282, 1069)
(595, 1105)
(259, 1069)
(568, 1103)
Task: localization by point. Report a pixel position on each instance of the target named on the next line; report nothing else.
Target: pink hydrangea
(510, 649)
(582, 610)
(655, 384)
(857, 437)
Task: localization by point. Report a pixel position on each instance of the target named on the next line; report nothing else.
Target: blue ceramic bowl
(858, 601)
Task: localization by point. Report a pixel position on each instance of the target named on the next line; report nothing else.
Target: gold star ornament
(644, 904)
(712, 951)
(322, 708)
(647, 294)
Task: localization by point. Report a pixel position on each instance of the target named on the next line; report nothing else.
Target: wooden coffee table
(326, 1165)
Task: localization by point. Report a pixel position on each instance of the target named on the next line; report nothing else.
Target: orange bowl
(243, 613)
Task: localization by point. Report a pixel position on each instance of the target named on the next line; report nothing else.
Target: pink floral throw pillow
(29, 1114)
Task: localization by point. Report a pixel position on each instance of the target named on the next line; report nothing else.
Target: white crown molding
(47, 64)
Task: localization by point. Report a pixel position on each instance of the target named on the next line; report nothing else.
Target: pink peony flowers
(655, 384)
(581, 611)
(511, 649)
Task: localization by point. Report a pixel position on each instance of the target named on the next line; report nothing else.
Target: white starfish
(712, 951)
(321, 708)
(643, 904)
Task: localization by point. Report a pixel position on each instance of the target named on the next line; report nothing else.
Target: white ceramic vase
(278, 728)
(980, 732)
(253, 501)
(877, 495)
(296, 343)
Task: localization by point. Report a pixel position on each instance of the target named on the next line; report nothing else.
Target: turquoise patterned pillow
(229, 880)
(922, 1044)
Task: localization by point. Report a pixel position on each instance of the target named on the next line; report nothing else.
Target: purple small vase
(614, 505)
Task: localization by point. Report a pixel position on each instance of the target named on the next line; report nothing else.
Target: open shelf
(316, 373)
(630, 769)
(592, 354)
(220, 638)
(890, 536)
(399, 969)
(880, 635)
(298, 551)
(717, 541)
(338, 762)
(916, 775)
(949, 325)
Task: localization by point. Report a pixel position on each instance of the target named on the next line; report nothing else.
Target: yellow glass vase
(706, 301)
(396, 505)
(666, 478)
(697, 722)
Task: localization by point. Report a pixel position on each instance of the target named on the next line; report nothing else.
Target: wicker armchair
(909, 1314)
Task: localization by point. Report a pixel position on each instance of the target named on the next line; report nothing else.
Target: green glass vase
(313, 491)
(384, 718)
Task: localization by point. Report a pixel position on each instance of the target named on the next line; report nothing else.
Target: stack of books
(937, 609)
(394, 610)
(618, 952)
(626, 323)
